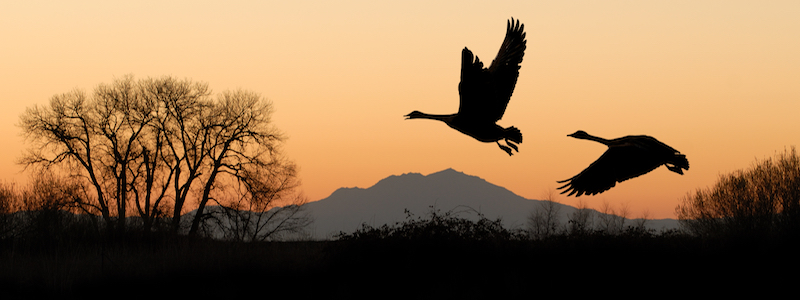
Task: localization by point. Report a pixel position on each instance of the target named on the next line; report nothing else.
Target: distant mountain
(386, 202)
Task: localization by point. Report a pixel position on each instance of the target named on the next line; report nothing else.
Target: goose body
(485, 92)
(627, 157)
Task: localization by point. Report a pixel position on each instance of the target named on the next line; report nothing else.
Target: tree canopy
(146, 147)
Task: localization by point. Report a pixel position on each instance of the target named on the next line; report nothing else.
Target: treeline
(157, 148)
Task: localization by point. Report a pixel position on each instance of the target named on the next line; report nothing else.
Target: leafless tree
(178, 149)
(757, 201)
(610, 220)
(640, 223)
(544, 221)
(267, 206)
(581, 221)
(122, 115)
(260, 211)
(241, 139)
(51, 206)
(10, 204)
(155, 142)
(64, 136)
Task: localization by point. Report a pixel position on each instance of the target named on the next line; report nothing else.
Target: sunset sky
(717, 80)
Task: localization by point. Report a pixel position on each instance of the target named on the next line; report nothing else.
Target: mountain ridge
(387, 201)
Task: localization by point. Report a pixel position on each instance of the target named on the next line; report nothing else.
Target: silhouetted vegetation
(762, 202)
(443, 254)
(54, 240)
(438, 227)
(152, 148)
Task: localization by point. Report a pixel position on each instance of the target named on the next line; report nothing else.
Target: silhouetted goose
(485, 92)
(626, 158)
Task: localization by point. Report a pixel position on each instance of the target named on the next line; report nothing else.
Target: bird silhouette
(627, 157)
(485, 92)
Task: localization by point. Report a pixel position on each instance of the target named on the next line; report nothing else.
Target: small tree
(262, 205)
(544, 221)
(612, 221)
(9, 207)
(640, 224)
(764, 199)
(51, 209)
(581, 221)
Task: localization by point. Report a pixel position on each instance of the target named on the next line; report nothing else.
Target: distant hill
(386, 202)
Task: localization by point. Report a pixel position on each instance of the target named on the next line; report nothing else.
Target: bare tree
(610, 220)
(51, 206)
(267, 206)
(181, 132)
(640, 223)
(63, 136)
(146, 142)
(758, 201)
(581, 221)
(241, 138)
(122, 116)
(544, 221)
(262, 206)
(10, 204)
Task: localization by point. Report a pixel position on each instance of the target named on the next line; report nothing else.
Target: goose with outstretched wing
(626, 157)
(485, 92)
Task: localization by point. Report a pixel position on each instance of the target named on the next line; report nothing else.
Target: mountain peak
(407, 180)
(452, 173)
(389, 199)
(447, 171)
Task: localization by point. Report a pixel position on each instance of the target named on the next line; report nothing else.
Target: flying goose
(485, 92)
(627, 157)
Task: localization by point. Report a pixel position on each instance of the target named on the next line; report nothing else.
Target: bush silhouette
(762, 201)
(439, 226)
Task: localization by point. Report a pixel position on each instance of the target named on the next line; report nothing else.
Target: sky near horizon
(717, 80)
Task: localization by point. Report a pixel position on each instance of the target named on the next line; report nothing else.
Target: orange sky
(717, 80)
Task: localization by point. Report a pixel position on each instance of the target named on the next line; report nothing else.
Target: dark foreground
(381, 268)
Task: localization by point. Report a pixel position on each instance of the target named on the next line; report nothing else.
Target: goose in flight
(627, 157)
(485, 92)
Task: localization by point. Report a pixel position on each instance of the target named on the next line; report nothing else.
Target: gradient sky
(717, 80)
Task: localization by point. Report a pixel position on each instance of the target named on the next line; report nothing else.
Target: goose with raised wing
(485, 92)
(627, 157)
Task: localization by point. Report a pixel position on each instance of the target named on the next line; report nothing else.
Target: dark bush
(447, 226)
(760, 202)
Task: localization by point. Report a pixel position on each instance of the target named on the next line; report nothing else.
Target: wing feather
(617, 164)
(485, 92)
(505, 67)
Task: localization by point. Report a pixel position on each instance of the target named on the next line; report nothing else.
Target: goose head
(580, 134)
(415, 115)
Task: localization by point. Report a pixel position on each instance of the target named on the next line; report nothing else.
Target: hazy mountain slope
(386, 201)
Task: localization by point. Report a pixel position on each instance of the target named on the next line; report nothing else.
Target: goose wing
(485, 92)
(617, 164)
(505, 67)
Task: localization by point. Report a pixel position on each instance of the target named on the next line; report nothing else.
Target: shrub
(447, 226)
(762, 200)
